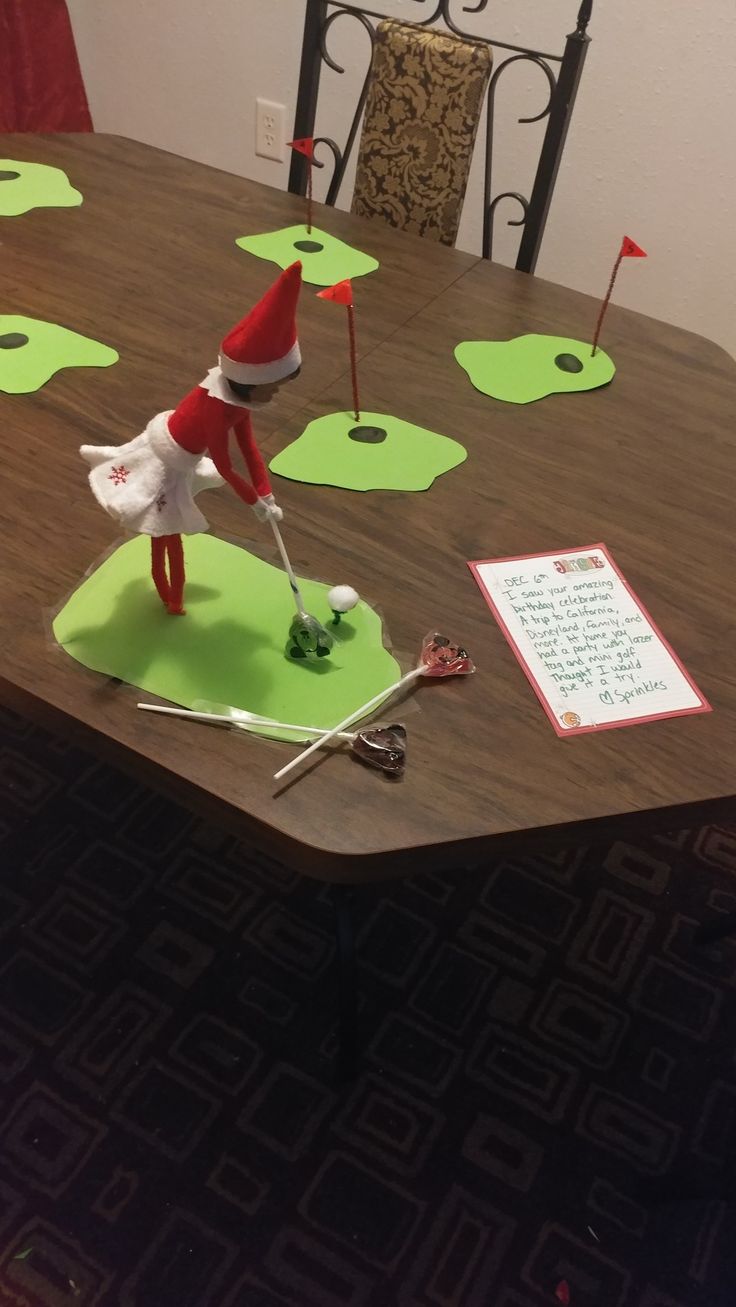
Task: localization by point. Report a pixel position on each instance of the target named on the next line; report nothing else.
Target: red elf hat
(263, 347)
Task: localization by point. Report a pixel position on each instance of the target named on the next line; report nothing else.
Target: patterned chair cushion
(421, 118)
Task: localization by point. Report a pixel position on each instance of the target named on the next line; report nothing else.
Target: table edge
(341, 866)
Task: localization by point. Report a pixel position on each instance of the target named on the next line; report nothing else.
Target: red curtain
(41, 87)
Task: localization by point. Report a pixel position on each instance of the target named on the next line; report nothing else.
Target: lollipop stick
(317, 630)
(185, 712)
(352, 717)
(246, 722)
(288, 568)
(309, 196)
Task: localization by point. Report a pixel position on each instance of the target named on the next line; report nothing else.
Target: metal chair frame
(563, 81)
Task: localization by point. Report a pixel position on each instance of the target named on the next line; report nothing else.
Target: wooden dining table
(148, 264)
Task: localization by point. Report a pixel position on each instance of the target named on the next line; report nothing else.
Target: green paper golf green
(325, 259)
(380, 452)
(530, 367)
(25, 186)
(31, 351)
(230, 646)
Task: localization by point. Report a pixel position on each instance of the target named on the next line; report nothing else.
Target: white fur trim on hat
(260, 374)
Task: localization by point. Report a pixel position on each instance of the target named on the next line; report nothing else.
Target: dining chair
(425, 97)
(418, 122)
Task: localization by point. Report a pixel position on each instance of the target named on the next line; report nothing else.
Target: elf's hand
(266, 508)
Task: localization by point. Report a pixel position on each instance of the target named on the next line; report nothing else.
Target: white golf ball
(342, 598)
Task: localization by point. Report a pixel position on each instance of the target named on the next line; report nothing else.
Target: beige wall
(650, 153)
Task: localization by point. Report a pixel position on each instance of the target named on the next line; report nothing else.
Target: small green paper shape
(524, 368)
(230, 646)
(32, 350)
(407, 458)
(335, 261)
(25, 186)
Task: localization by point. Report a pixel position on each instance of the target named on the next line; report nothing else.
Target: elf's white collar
(216, 385)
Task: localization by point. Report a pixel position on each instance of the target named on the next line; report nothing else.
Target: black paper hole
(568, 363)
(368, 435)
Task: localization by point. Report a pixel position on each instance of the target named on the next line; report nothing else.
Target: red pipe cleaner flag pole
(629, 250)
(342, 293)
(305, 146)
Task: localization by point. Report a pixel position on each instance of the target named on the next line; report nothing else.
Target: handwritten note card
(588, 646)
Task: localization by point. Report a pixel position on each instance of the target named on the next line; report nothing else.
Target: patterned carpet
(545, 1111)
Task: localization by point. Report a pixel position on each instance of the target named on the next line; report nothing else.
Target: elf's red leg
(175, 550)
(158, 567)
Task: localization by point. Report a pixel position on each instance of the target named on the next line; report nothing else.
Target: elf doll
(149, 484)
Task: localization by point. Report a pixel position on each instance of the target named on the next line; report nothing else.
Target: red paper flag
(562, 1293)
(340, 293)
(630, 250)
(305, 145)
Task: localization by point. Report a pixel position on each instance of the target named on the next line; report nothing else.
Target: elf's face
(261, 395)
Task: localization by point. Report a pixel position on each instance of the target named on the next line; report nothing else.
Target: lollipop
(383, 747)
(439, 656)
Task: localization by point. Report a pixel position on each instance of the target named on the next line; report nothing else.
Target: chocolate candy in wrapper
(440, 656)
(383, 747)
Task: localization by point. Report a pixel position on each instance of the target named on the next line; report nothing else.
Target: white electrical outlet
(270, 129)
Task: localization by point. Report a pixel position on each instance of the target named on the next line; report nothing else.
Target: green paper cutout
(230, 646)
(336, 262)
(524, 369)
(27, 367)
(410, 458)
(37, 186)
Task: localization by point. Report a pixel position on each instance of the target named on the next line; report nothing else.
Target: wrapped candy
(439, 656)
(383, 747)
(308, 638)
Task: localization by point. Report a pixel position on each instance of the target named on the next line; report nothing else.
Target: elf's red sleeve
(220, 455)
(251, 453)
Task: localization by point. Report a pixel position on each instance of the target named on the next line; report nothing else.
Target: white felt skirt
(149, 484)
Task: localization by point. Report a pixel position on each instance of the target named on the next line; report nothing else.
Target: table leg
(347, 1026)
